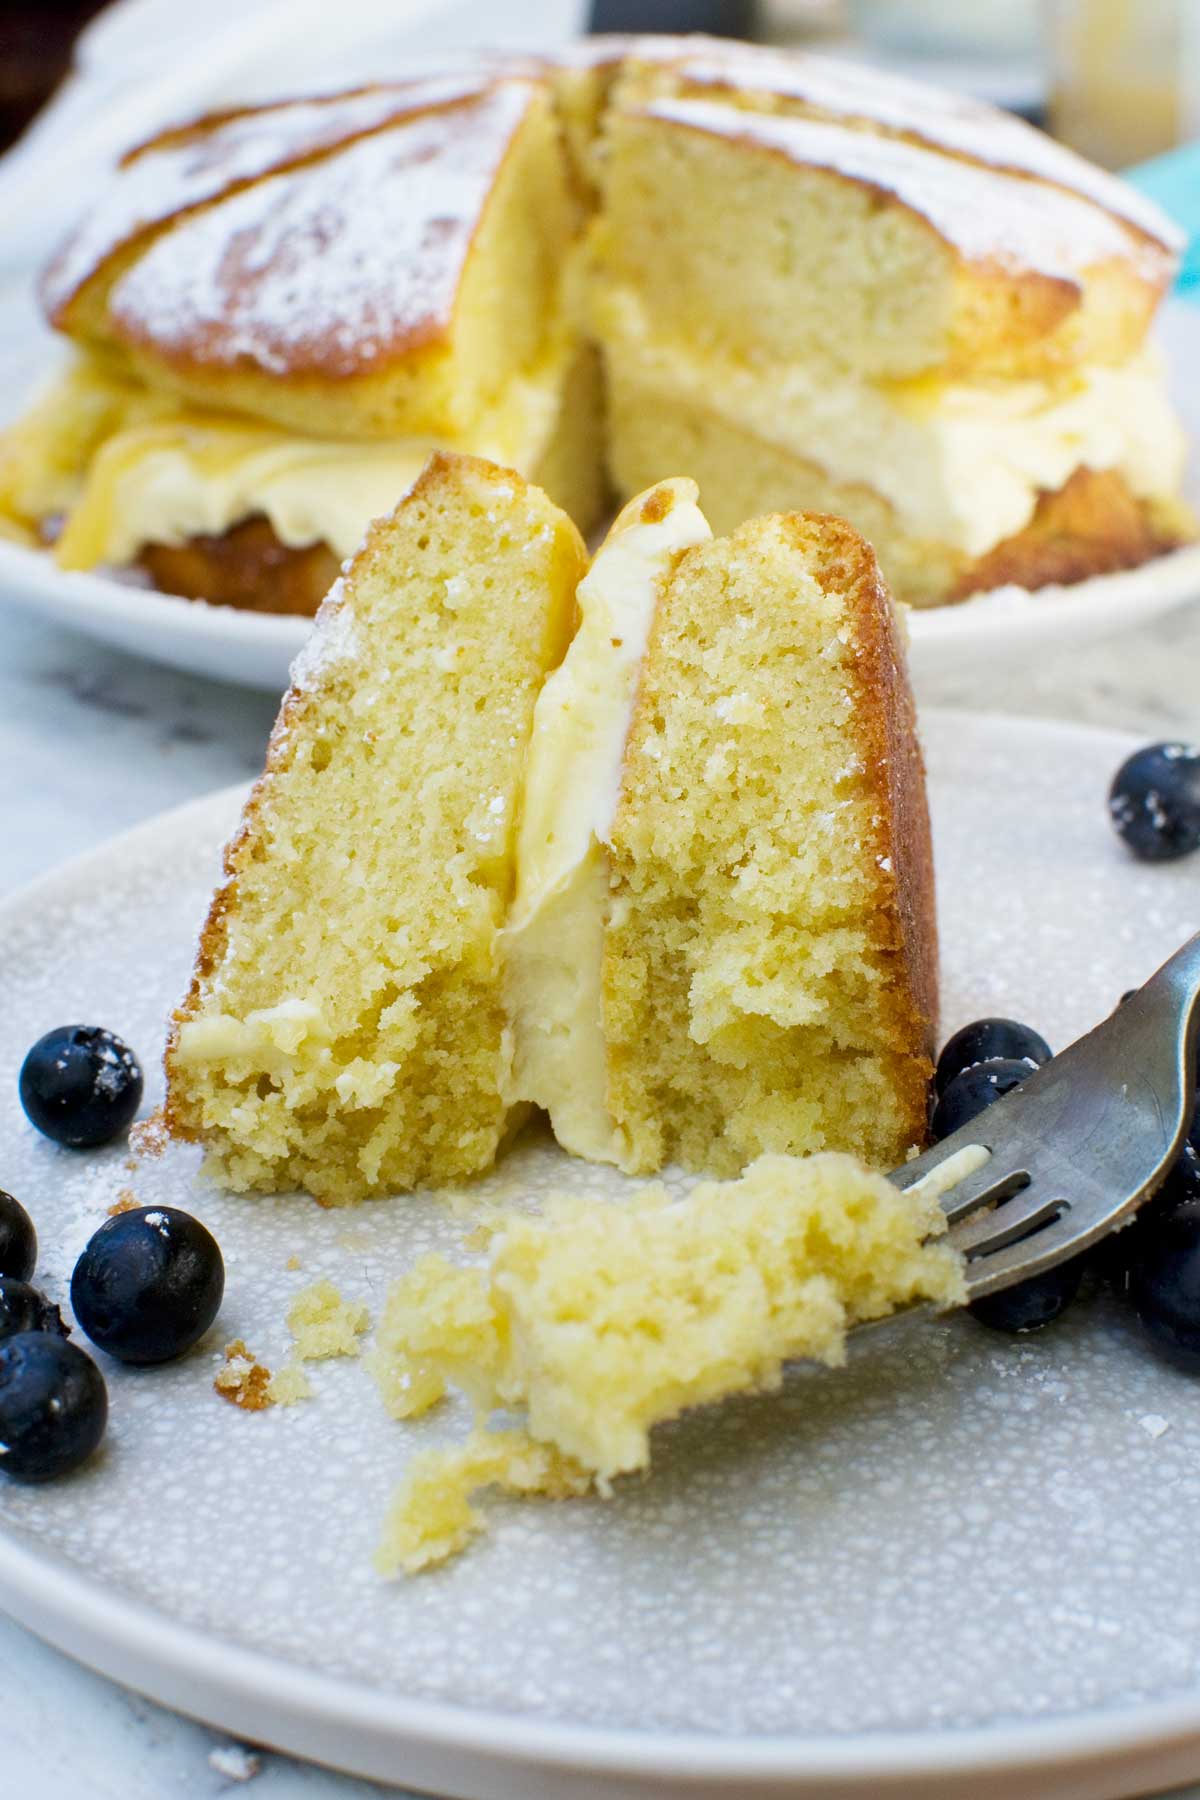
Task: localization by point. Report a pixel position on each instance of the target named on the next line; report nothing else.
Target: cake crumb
(324, 1324)
(431, 1517)
(293, 1262)
(126, 1201)
(407, 1389)
(288, 1386)
(235, 1762)
(150, 1137)
(243, 1381)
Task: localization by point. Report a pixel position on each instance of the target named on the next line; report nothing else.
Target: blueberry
(1032, 1303)
(22, 1308)
(81, 1085)
(18, 1239)
(988, 1040)
(53, 1406)
(973, 1090)
(1154, 801)
(1164, 1284)
(148, 1285)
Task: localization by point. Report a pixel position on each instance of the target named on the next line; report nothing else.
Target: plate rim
(300, 1710)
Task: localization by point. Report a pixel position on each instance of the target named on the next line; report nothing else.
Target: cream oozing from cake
(961, 462)
(554, 941)
(191, 474)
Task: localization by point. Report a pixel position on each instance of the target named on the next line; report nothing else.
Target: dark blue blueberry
(81, 1086)
(53, 1406)
(1164, 1284)
(989, 1040)
(22, 1308)
(1033, 1303)
(1114, 1255)
(1154, 801)
(973, 1090)
(148, 1285)
(18, 1239)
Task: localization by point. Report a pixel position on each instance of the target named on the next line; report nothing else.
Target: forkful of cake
(1070, 1154)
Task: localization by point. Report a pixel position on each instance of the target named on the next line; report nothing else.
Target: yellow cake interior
(597, 1322)
(346, 1029)
(754, 986)
(644, 847)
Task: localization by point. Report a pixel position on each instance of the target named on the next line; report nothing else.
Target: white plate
(963, 1566)
(1008, 626)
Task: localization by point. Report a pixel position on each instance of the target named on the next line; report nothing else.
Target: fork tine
(991, 1178)
(983, 1232)
(1065, 1236)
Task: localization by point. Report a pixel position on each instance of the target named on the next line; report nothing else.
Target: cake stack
(811, 287)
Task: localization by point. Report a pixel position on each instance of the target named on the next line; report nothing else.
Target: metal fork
(1073, 1151)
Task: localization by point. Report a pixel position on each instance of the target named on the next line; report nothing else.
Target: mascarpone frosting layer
(554, 941)
(960, 463)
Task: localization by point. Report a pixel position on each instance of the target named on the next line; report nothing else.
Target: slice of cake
(723, 935)
(679, 895)
(599, 1322)
(345, 1028)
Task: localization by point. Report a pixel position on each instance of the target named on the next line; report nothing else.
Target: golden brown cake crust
(1093, 525)
(906, 899)
(246, 567)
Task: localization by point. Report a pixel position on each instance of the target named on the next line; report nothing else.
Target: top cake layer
(382, 264)
(893, 106)
(192, 165)
(784, 238)
(263, 258)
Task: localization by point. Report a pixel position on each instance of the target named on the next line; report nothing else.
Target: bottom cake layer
(1092, 525)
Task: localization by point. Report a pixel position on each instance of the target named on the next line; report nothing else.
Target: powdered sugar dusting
(334, 639)
(159, 182)
(300, 274)
(884, 101)
(987, 216)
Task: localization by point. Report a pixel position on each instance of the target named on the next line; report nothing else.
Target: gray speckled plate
(952, 1568)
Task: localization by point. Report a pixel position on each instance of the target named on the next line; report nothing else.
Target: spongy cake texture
(344, 1028)
(601, 1321)
(769, 979)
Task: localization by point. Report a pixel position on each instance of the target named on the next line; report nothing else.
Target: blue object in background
(1174, 181)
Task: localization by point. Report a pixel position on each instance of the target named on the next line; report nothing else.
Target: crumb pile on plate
(808, 284)
(598, 1322)
(649, 850)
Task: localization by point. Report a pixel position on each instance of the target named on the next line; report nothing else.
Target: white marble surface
(92, 742)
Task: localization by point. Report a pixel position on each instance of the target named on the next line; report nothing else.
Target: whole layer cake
(807, 284)
(642, 844)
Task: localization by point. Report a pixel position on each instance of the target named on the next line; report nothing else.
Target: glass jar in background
(1124, 76)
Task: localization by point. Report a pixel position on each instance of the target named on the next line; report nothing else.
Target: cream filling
(961, 463)
(554, 941)
(185, 473)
